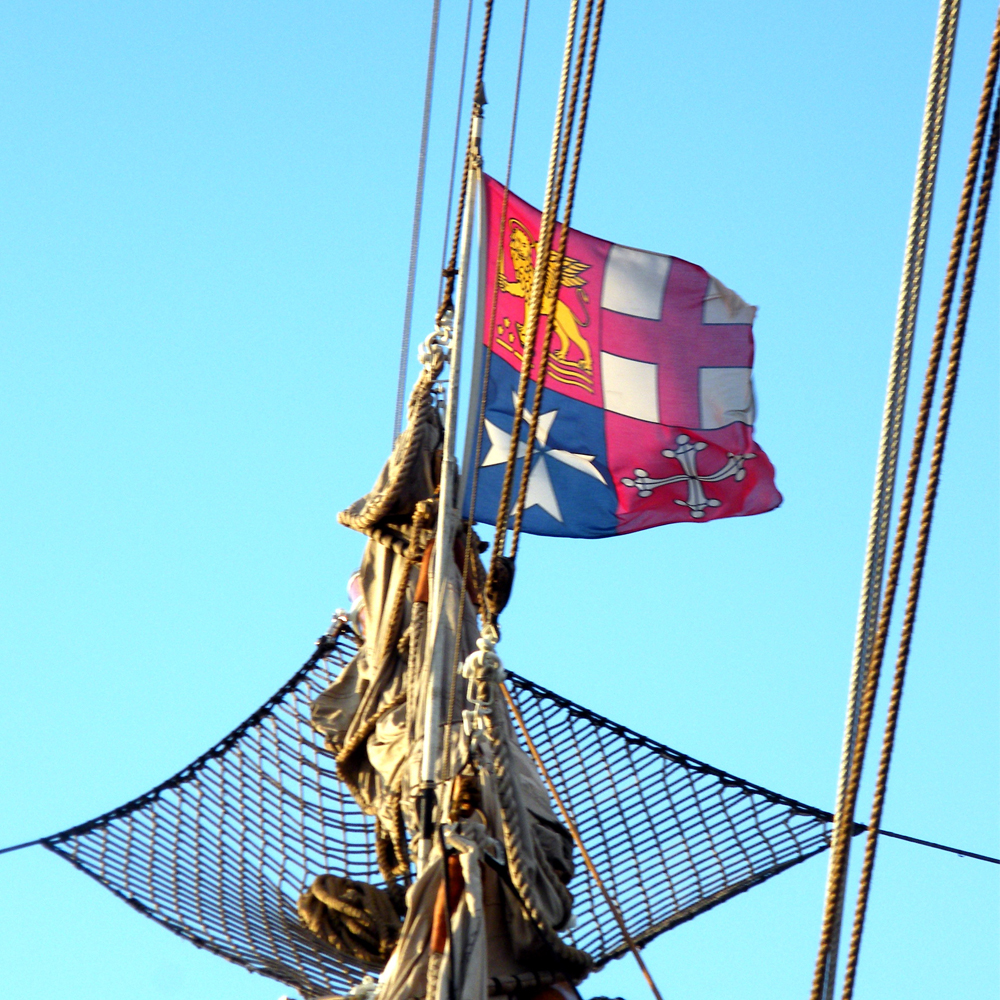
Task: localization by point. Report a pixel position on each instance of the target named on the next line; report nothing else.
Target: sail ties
(482, 669)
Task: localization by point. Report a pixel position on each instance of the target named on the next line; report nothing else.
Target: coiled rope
(575, 962)
(934, 473)
(885, 478)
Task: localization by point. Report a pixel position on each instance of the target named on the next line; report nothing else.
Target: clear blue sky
(204, 237)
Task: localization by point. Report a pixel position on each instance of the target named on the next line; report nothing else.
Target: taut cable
(934, 473)
(418, 205)
(885, 475)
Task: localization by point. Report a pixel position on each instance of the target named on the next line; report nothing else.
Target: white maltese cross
(540, 490)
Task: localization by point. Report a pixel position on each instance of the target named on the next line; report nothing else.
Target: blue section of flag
(570, 491)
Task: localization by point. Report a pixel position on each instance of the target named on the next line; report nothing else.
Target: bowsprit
(686, 453)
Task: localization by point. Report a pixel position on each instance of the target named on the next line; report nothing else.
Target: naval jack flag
(648, 405)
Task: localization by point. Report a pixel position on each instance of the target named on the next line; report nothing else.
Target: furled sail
(511, 857)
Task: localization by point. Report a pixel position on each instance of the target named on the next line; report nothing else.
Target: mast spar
(446, 598)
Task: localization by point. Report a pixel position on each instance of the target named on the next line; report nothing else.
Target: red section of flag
(656, 343)
(574, 368)
(678, 501)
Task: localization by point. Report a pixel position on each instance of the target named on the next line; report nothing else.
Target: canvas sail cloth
(372, 718)
(648, 406)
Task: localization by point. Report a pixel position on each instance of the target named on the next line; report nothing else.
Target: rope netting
(220, 852)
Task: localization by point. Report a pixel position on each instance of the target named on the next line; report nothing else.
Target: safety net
(220, 852)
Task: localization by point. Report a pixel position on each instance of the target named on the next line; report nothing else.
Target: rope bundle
(358, 919)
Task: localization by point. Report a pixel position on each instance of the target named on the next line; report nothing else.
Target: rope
(934, 473)
(927, 843)
(560, 259)
(470, 535)
(885, 477)
(575, 833)
(478, 100)
(418, 205)
(534, 299)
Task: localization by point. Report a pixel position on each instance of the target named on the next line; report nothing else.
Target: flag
(648, 406)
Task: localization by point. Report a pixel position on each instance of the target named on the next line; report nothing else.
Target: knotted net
(220, 852)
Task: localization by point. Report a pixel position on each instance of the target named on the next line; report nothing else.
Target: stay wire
(885, 475)
(404, 354)
(454, 148)
(934, 473)
(560, 258)
(54, 838)
(480, 423)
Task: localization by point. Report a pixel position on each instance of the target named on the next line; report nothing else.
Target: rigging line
(474, 487)
(575, 833)
(931, 843)
(544, 265)
(859, 828)
(560, 258)
(454, 148)
(927, 512)
(892, 421)
(873, 672)
(478, 100)
(886, 465)
(885, 475)
(533, 300)
(418, 205)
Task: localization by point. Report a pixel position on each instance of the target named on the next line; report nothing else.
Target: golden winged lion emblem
(570, 358)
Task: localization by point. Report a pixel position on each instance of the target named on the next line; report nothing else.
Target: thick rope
(543, 365)
(418, 205)
(933, 477)
(885, 476)
(470, 535)
(534, 299)
(542, 266)
(575, 833)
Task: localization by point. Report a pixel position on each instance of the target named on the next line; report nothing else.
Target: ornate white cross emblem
(686, 453)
